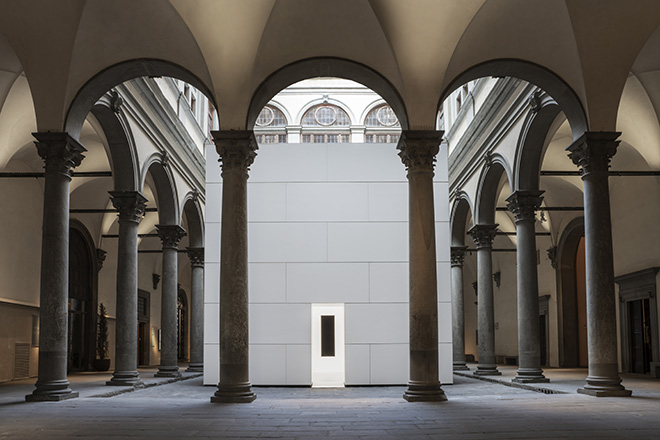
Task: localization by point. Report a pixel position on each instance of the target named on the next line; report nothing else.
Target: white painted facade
(327, 225)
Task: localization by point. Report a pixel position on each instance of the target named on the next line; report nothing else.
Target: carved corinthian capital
(236, 148)
(196, 256)
(170, 235)
(417, 149)
(129, 204)
(60, 152)
(483, 235)
(593, 150)
(523, 204)
(458, 255)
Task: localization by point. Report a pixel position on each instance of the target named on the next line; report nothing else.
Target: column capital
(593, 150)
(130, 205)
(523, 204)
(60, 152)
(170, 235)
(236, 148)
(483, 235)
(417, 149)
(458, 255)
(196, 255)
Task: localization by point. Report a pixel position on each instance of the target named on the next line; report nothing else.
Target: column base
(168, 372)
(460, 366)
(605, 393)
(125, 379)
(195, 368)
(239, 393)
(53, 391)
(599, 386)
(530, 375)
(487, 370)
(424, 392)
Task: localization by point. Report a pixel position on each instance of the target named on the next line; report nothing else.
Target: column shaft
(60, 153)
(457, 310)
(523, 204)
(417, 151)
(170, 236)
(483, 236)
(196, 256)
(592, 152)
(130, 205)
(237, 152)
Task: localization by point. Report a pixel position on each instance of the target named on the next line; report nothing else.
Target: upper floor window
(382, 126)
(270, 126)
(325, 115)
(325, 124)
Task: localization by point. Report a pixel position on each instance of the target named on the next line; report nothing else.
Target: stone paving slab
(475, 410)
(566, 380)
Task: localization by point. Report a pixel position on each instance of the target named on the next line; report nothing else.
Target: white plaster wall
(327, 224)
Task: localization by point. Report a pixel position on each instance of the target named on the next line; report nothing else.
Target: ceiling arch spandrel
(539, 32)
(423, 39)
(121, 30)
(609, 34)
(42, 37)
(228, 33)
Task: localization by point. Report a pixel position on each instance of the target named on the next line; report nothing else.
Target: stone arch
(165, 189)
(460, 212)
(195, 219)
(548, 81)
(569, 355)
(489, 187)
(121, 145)
(324, 67)
(533, 141)
(119, 73)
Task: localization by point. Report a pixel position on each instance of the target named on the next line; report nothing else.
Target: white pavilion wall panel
(332, 283)
(327, 223)
(358, 364)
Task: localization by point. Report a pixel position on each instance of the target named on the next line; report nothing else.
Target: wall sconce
(497, 277)
(155, 278)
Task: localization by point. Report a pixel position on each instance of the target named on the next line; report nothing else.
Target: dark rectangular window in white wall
(327, 335)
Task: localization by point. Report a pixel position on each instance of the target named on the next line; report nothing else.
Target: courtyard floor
(476, 409)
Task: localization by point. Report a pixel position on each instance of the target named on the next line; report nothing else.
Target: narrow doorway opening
(639, 320)
(328, 351)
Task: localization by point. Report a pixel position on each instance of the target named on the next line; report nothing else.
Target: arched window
(270, 127)
(382, 126)
(324, 124)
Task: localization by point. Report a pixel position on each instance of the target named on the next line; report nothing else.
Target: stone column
(60, 153)
(523, 205)
(458, 320)
(483, 236)
(196, 256)
(237, 150)
(417, 150)
(170, 235)
(592, 153)
(130, 206)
